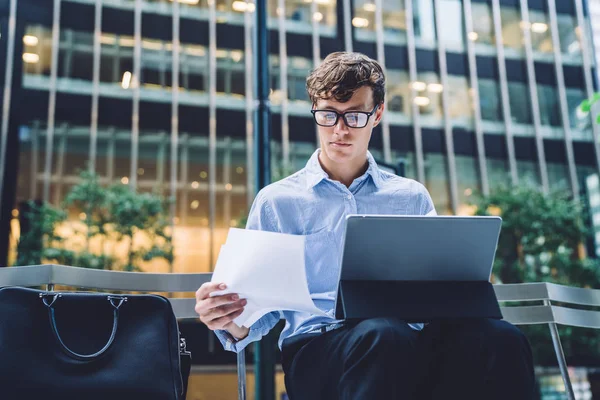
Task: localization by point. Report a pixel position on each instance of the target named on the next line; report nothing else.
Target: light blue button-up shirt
(309, 203)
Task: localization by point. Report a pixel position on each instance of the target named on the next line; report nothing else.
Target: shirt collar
(315, 173)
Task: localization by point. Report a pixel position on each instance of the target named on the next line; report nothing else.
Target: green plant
(586, 105)
(111, 215)
(41, 240)
(540, 241)
(132, 213)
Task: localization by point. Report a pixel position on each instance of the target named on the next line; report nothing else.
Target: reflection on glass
(428, 94)
(489, 100)
(116, 62)
(460, 99)
(230, 72)
(483, 25)
(37, 50)
(541, 37)
(528, 172)
(406, 163)
(498, 173)
(452, 26)
(394, 20)
(298, 70)
(520, 108)
(569, 35)
(467, 182)
(577, 118)
(549, 106)
(298, 13)
(511, 28)
(437, 182)
(76, 148)
(398, 91)
(558, 176)
(423, 21)
(393, 16)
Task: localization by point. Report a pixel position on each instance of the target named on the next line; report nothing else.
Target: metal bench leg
(560, 355)
(241, 374)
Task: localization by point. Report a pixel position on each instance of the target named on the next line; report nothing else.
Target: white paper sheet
(267, 269)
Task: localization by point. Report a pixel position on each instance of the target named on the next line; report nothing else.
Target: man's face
(343, 144)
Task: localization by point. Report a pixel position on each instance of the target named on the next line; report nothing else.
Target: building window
(405, 161)
(498, 173)
(520, 108)
(298, 70)
(424, 22)
(528, 172)
(460, 99)
(428, 95)
(394, 21)
(393, 17)
(511, 28)
(549, 106)
(577, 118)
(37, 50)
(483, 25)
(468, 182)
(452, 24)
(398, 92)
(558, 176)
(490, 100)
(541, 36)
(569, 36)
(299, 16)
(437, 182)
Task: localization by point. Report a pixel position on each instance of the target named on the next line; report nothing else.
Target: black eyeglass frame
(343, 115)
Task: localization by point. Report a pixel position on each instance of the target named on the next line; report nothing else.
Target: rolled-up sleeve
(259, 329)
(260, 218)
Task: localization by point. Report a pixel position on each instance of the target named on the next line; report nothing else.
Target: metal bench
(544, 293)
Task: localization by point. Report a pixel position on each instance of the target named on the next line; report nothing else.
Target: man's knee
(387, 335)
(505, 337)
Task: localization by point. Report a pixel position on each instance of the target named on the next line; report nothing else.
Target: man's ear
(379, 114)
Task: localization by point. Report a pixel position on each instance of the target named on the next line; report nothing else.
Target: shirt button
(349, 197)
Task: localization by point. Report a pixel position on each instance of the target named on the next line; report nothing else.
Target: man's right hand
(218, 312)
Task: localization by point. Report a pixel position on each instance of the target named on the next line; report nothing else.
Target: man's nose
(340, 127)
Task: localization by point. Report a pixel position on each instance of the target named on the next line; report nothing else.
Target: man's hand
(218, 312)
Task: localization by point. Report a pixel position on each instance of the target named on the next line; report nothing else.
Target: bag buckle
(121, 300)
(45, 296)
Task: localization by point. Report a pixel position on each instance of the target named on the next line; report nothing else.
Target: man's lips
(340, 144)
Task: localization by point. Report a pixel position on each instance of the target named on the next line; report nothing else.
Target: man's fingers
(222, 322)
(221, 311)
(207, 288)
(204, 306)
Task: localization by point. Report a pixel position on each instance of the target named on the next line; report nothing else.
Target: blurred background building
(92, 81)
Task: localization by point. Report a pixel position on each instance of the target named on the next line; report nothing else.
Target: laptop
(427, 262)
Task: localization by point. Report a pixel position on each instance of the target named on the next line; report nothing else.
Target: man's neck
(344, 173)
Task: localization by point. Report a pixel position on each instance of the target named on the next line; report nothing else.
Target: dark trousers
(385, 359)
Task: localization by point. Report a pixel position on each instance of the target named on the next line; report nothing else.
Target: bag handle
(116, 301)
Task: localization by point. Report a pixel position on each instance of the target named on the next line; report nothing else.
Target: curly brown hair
(343, 73)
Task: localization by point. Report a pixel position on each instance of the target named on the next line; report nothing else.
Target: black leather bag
(89, 346)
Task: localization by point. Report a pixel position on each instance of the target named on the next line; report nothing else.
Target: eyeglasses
(352, 119)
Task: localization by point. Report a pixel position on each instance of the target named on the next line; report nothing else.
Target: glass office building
(479, 94)
(158, 95)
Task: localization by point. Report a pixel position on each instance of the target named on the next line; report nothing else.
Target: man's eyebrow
(353, 108)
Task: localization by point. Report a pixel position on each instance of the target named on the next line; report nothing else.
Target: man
(383, 358)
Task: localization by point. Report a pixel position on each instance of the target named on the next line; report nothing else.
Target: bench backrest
(50, 274)
(546, 312)
(518, 314)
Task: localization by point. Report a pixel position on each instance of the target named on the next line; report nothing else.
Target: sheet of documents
(267, 269)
